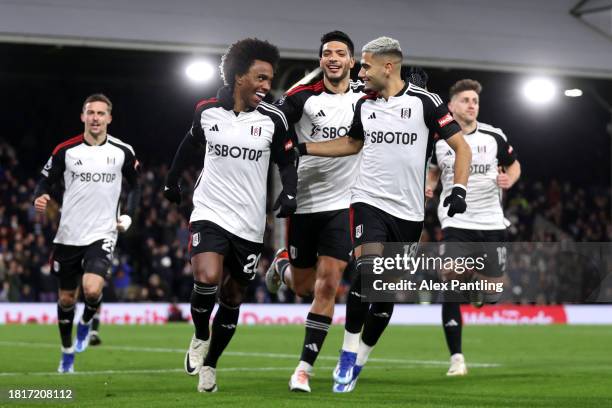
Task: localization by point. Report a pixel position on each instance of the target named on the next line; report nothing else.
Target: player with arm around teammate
(394, 128)
(319, 233)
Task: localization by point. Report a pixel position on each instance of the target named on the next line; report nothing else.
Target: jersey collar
(225, 95)
(89, 144)
(475, 129)
(329, 91)
(403, 91)
(400, 93)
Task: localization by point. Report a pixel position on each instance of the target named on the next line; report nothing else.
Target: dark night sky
(43, 87)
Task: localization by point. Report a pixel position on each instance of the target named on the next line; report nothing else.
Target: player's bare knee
(92, 293)
(304, 285)
(67, 299)
(329, 273)
(206, 275)
(326, 287)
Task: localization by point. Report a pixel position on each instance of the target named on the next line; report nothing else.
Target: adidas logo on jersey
(312, 347)
(372, 116)
(78, 163)
(451, 323)
(449, 153)
(320, 114)
(215, 128)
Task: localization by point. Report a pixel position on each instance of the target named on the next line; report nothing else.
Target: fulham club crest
(195, 239)
(358, 231)
(256, 131)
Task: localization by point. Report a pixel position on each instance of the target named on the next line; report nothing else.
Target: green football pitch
(141, 366)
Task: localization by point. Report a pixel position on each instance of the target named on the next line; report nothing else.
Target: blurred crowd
(151, 261)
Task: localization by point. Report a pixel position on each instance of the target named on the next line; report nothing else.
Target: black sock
(95, 324)
(203, 297)
(91, 307)
(452, 323)
(317, 327)
(223, 329)
(65, 318)
(376, 322)
(356, 306)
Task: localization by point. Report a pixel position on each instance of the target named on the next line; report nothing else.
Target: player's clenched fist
(40, 204)
(503, 181)
(429, 193)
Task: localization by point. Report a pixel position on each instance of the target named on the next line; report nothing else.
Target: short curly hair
(240, 56)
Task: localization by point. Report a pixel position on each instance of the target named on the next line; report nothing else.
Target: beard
(337, 78)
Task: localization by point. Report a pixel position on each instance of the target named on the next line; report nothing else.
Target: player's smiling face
(465, 106)
(372, 72)
(96, 118)
(253, 86)
(336, 61)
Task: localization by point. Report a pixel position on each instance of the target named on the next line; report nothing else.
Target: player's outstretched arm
(344, 146)
(510, 176)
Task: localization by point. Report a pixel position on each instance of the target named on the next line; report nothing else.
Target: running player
(394, 128)
(319, 232)
(494, 168)
(241, 134)
(91, 167)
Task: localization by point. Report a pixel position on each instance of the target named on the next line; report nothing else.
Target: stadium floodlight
(573, 93)
(539, 90)
(200, 71)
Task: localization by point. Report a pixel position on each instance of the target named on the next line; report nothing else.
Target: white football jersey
(92, 177)
(398, 137)
(320, 115)
(232, 187)
(490, 149)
